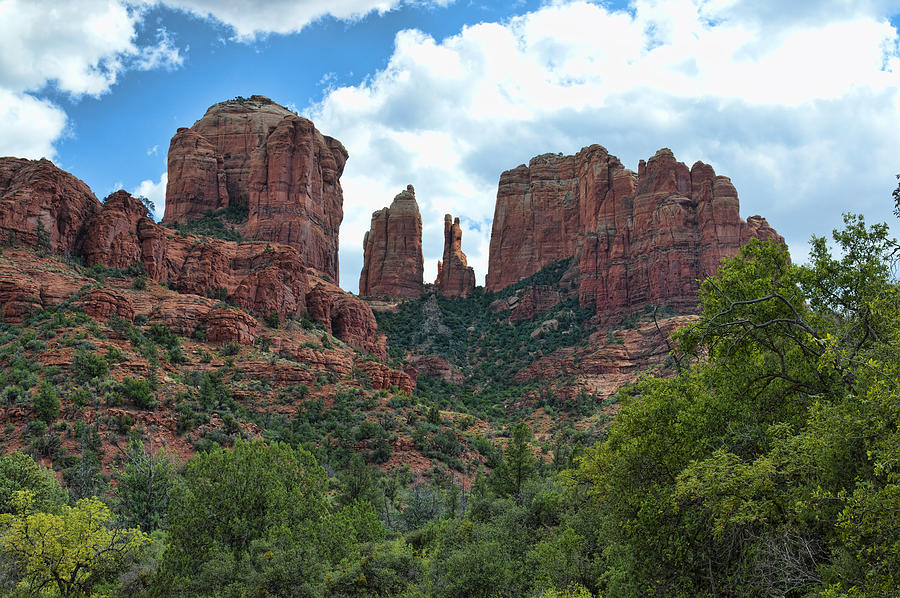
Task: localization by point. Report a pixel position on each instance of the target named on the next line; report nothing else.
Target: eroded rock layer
(255, 156)
(392, 251)
(455, 277)
(636, 237)
(43, 206)
(259, 277)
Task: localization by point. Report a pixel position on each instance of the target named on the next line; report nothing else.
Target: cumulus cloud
(250, 18)
(28, 126)
(155, 192)
(79, 47)
(798, 104)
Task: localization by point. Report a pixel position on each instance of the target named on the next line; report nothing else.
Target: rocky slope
(392, 250)
(263, 278)
(455, 277)
(256, 157)
(636, 237)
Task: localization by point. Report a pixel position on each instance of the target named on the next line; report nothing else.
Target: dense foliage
(481, 341)
(768, 466)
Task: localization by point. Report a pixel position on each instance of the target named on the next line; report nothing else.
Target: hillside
(648, 398)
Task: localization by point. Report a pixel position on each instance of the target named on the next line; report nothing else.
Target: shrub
(88, 366)
(46, 402)
(139, 392)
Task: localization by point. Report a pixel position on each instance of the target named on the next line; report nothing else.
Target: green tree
(69, 552)
(766, 467)
(249, 520)
(46, 401)
(18, 472)
(145, 487)
(518, 463)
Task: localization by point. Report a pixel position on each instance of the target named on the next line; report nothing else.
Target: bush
(272, 320)
(88, 366)
(46, 402)
(139, 392)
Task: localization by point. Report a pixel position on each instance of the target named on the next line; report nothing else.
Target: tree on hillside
(518, 462)
(768, 466)
(69, 552)
(255, 521)
(145, 486)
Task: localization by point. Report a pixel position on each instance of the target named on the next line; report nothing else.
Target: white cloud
(28, 126)
(799, 105)
(250, 18)
(80, 47)
(155, 192)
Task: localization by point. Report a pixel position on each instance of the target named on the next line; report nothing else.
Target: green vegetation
(483, 344)
(768, 466)
(219, 224)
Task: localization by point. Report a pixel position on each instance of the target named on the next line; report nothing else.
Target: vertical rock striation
(636, 238)
(260, 159)
(455, 277)
(43, 206)
(392, 250)
(260, 277)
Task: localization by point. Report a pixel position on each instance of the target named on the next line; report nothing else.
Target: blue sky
(799, 103)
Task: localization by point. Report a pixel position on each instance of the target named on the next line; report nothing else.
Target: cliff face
(392, 250)
(255, 155)
(635, 238)
(455, 277)
(258, 276)
(37, 196)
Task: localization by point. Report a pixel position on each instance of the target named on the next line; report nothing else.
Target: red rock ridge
(392, 251)
(36, 193)
(635, 238)
(455, 277)
(256, 276)
(658, 242)
(258, 155)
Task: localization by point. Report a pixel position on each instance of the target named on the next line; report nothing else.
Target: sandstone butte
(455, 277)
(392, 251)
(261, 158)
(634, 237)
(45, 207)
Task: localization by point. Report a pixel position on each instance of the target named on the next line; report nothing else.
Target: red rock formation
(259, 277)
(436, 367)
(392, 251)
(635, 238)
(383, 377)
(225, 324)
(29, 283)
(657, 243)
(455, 277)
(346, 317)
(35, 193)
(106, 303)
(535, 300)
(258, 155)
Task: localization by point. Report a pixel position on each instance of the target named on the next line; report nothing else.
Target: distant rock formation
(259, 158)
(636, 238)
(455, 277)
(392, 250)
(257, 276)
